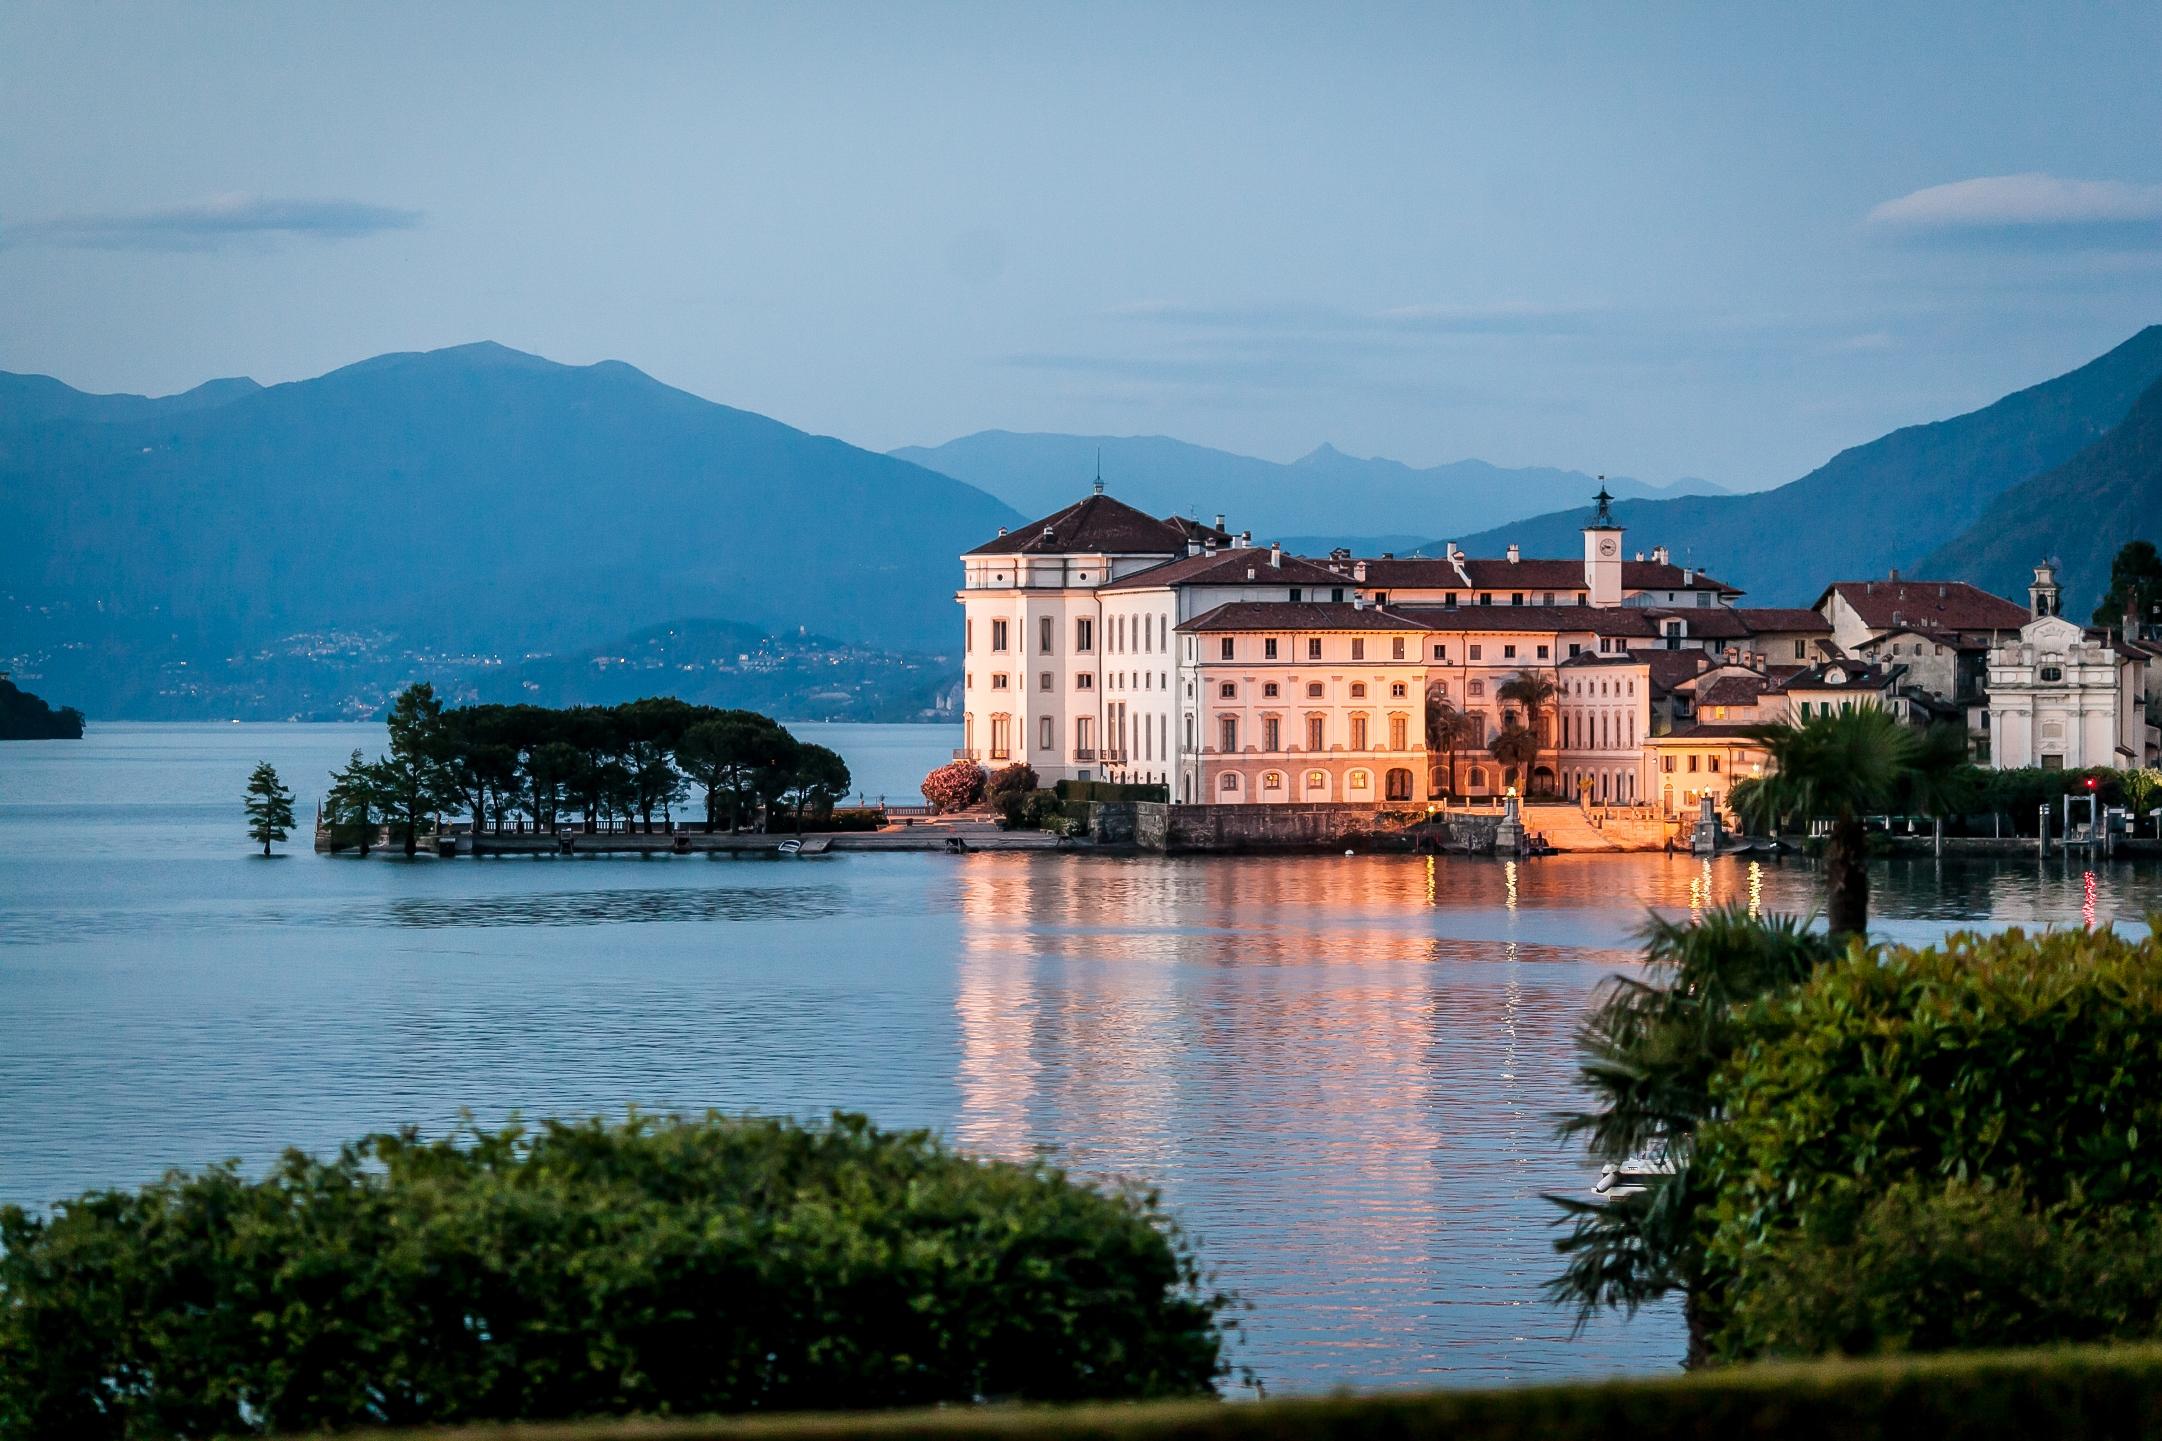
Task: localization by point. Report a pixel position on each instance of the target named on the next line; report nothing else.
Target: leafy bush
(1029, 810)
(1928, 1267)
(954, 786)
(590, 1269)
(1017, 779)
(841, 818)
(2009, 1060)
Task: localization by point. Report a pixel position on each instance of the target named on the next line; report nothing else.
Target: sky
(1719, 241)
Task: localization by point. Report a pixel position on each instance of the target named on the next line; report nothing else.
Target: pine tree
(270, 807)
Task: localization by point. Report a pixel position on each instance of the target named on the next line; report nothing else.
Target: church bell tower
(1603, 553)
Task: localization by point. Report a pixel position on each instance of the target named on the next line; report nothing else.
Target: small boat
(789, 848)
(1632, 1175)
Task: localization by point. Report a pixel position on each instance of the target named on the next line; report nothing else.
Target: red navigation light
(2092, 783)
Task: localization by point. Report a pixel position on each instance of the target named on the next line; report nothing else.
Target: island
(24, 717)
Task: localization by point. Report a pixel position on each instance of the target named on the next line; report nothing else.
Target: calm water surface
(1341, 1071)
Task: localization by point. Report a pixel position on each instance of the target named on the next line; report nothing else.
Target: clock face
(1606, 547)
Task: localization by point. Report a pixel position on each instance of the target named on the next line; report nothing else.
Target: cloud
(213, 224)
(2033, 206)
(1506, 317)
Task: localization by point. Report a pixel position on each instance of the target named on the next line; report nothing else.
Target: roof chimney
(1250, 573)
(1049, 534)
(1276, 554)
(1002, 530)
(1895, 575)
(1688, 576)
(1514, 552)
(1453, 553)
(1208, 545)
(1246, 538)
(1660, 553)
(1358, 572)
(1193, 545)
(1219, 520)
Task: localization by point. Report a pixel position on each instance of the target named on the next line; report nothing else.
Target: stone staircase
(1568, 828)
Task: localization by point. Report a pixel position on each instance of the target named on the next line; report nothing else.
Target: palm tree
(1534, 692)
(1647, 1053)
(1516, 748)
(1446, 729)
(1844, 767)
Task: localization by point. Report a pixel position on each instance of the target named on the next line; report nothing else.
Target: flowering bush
(955, 786)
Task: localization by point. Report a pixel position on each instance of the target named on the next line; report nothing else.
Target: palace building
(1103, 643)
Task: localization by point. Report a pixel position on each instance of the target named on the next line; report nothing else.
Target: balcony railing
(1085, 755)
(1114, 758)
(964, 754)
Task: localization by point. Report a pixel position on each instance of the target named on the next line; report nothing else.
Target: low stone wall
(1172, 828)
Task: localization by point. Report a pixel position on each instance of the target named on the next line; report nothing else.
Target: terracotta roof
(1929, 604)
(1229, 567)
(1760, 618)
(1283, 615)
(1527, 574)
(1593, 658)
(1669, 668)
(1098, 525)
(1622, 620)
(1732, 690)
(1855, 677)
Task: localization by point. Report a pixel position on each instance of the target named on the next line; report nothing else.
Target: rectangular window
(1550, 597)
(998, 682)
(1711, 763)
(998, 635)
(1314, 733)
(1486, 597)
(1801, 650)
(1045, 740)
(1358, 732)
(1441, 652)
(1272, 734)
(1226, 648)
(1084, 681)
(1449, 600)
(1575, 649)
(1043, 636)
(1692, 763)
(1396, 648)
(1542, 652)
(1084, 635)
(1227, 691)
(1358, 648)
(968, 635)
(1508, 652)
(1516, 597)
(1297, 595)
(1268, 648)
(1337, 595)
(1043, 680)
(1227, 734)
(1313, 647)
(1475, 652)
(1399, 732)
(1704, 599)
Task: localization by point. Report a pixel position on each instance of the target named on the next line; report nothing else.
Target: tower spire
(1099, 470)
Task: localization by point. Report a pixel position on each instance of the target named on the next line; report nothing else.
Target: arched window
(1358, 690)
(1477, 779)
(1357, 781)
(1272, 780)
(1229, 785)
(1316, 780)
(1399, 785)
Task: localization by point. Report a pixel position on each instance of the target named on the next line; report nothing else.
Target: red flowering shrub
(954, 787)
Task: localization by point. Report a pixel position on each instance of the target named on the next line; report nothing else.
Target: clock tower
(1602, 554)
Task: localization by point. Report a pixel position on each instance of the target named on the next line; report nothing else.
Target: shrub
(2008, 1060)
(1028, 810)
(955, 786)
(1017, 779)
(1928, 1267)
(1114, 792)
(591, 1269)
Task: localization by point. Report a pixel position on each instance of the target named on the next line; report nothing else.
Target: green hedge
(2064, 1395)
(655, 1266)
(1112, 792)
(2008, 1061)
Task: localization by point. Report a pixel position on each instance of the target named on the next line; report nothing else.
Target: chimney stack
(1514, 552)
(1193, 545)
(1246, 538)
(1358, 572)
(1660, 553)
(1208, 545)
(1219, 520)
(1276, 554)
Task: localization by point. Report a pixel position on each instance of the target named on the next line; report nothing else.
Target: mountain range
(1324, 496)
(1906, 500)
(519, 528)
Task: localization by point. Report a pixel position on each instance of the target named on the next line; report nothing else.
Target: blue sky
(1674, 240)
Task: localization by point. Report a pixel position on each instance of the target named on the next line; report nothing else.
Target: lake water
(1340, 1071)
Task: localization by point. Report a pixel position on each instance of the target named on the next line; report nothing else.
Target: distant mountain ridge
(475, 499)
(2078, 514)
(1322, 492)
(1891, 503)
